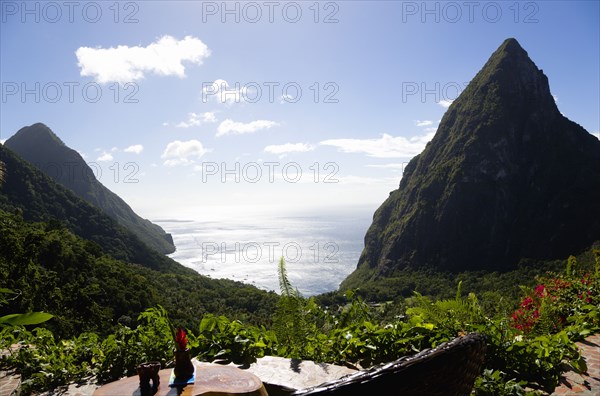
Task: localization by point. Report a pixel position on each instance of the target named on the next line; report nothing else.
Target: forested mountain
(506, 177)
(64, 256)
(41, 147)
(55, 271)
(29, 191)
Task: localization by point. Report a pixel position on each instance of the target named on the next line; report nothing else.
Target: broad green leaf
(31, 318)
(208, 323)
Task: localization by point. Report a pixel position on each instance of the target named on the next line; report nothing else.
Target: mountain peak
(505, 177)
(38, 132)
(511, 45)
(38, 145)
(510, 49)
(510, 76)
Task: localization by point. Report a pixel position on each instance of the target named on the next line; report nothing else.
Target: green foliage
(496, 383)
(30, 192)
(93, 333)
(291, 324)
(38, 145)
(122, 352)
(442, 285)
(221, 338)
(29, 318)
(540, 360)
(293, 321)
(456, 315)
(514, 360)
(571, 263)
(345, 336)
(86, 290)
(287, 290)
(559, 301)
(537, 344)
(353, 332)
(46, 363)
(536, 362)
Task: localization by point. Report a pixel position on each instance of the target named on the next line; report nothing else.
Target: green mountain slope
(505, 178)
(41, 147)
(66, 257)
(39, 198)
(55, 271)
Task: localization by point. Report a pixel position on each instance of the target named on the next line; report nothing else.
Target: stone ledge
(10, 383)
(292, 373)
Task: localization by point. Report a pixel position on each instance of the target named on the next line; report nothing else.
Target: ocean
(320, 247)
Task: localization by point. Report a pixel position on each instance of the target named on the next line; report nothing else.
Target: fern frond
(285, 285)
(459, 290)
(454, 313)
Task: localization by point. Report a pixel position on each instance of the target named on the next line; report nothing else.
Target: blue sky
(187, 105)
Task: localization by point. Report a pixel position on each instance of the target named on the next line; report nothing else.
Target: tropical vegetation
(528, 348)
(82, 299)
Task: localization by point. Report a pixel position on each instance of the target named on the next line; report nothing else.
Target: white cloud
(386, 146)
(209, 116)
(289, 148)
(105, 157)
(183, 153)
(197, 119)
(350, 179)
(389, 166)
(423, 123)
(597, 134)
(222, 92)
(445, 103)
(136, 149)
(285, 98)
(555, 98)
(428, 124)
(122, 64)
(2, 141)
(79, 152)
(230, 127)
(112, 150)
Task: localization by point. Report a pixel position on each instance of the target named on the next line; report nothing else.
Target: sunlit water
(320, 248)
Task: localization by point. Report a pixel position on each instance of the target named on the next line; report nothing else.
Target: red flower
(527, 303)
(181, 339)
(539, 290)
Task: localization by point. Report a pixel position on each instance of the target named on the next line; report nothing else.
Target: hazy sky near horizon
(194, 104)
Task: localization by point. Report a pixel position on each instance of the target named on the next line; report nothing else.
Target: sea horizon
(321, 246)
